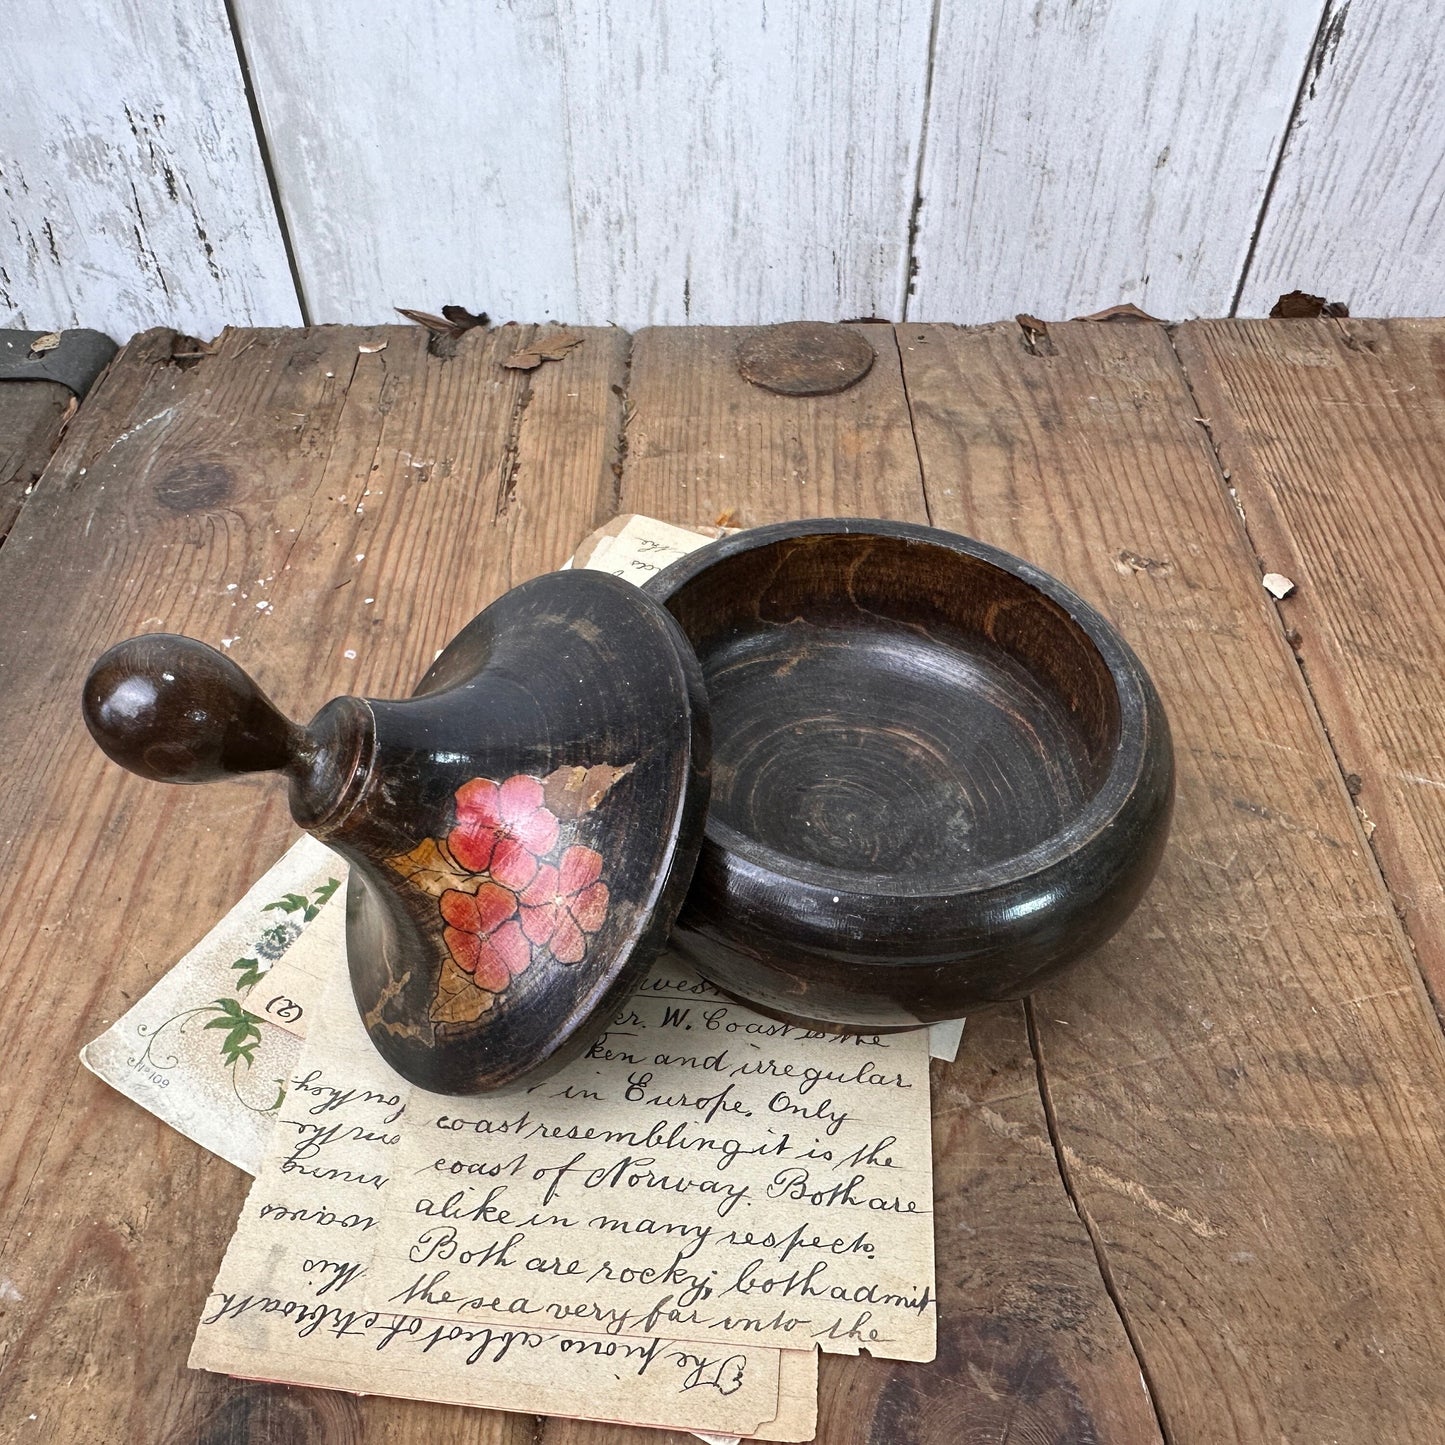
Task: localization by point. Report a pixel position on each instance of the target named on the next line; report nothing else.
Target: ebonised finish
(939, 776)
(520, 832)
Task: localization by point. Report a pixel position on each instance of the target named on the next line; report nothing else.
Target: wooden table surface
(1195, 1192)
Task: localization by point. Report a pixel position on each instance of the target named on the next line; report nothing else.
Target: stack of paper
(663, 1233)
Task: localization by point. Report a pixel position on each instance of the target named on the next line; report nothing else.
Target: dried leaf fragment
(45, 343)
(1296, 305)
(453, 322)
(432, 322)
(529, 358)
(1037, 341)
(463, 319)
(1125, 311)
(370, 348)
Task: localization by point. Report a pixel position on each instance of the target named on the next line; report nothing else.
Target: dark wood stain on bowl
(939, 776)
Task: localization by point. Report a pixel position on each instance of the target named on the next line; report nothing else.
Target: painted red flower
(483, 934)
(502, 829)
(564, 905)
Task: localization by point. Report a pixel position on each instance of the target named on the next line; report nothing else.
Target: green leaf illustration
(321, 896)
(291, 903)
(250, 971)
(242, 1031)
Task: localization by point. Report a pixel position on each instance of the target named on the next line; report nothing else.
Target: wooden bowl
(939, 777)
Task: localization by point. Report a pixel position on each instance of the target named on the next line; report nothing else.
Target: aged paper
(209, 1049)
(635, 547)
(702, 1170)
(287, 1304)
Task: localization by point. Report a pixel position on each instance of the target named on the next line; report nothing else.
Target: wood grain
(1247, 1084)
(1245, 1087)
(132, 191)
(420, 154)
(749, 163)
(780, 144)
(519, 157)
(1332, 433)
(1355, 212)
(358, 494)
(1029, 1341)
(1083, 155)
(32, 414)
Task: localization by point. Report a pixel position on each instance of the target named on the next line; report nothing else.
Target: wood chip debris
(529, 358)
(370, 348)
(1036, 335)
(1277, 585)
(1126, 562)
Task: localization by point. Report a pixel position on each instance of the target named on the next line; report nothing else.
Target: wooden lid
(521, 831)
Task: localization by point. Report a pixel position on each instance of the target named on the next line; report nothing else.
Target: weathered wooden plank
(1083, 155)
(1248, 1082)
(744, 162)
(603, 163)
(1355, 212)
(1332, 433)
(31, 416)
(132, 191)
(360, 497)
(421, 154)
(1029, 1342)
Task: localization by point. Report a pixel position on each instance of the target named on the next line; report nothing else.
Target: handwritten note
(634, 547)
(287, 1304)
(703, 1171)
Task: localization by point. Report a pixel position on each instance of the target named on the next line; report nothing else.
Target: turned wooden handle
(177, 711)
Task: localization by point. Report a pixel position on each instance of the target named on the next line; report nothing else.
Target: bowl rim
(1138, 703)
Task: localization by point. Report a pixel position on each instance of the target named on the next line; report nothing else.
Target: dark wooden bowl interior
(893, 710)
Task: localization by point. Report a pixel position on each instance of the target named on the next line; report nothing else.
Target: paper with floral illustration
(211, 1047)
(287, 1303)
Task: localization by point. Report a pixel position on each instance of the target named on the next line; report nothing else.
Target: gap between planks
(1091, 1228)
(1311, 69)
(1046, 1103)
(1364, 839)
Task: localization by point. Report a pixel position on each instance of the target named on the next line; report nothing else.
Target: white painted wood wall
(266, 162)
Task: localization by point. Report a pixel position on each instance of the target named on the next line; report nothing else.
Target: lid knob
(520, 831)
(177, 711)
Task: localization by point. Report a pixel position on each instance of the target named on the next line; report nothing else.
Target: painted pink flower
(564, 905)
(483, 934)
(502, 829)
